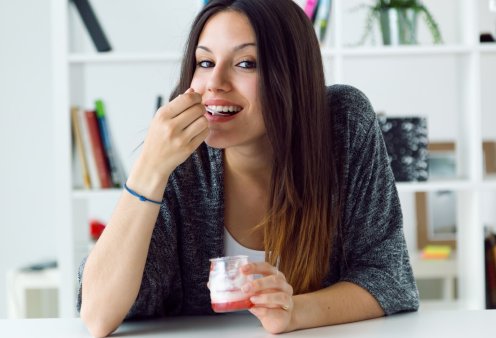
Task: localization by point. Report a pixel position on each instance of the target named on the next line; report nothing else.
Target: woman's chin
(214, 142)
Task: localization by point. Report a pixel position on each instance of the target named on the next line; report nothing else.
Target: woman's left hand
(271, 295)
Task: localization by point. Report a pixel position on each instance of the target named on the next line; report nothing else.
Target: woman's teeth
(223, 110)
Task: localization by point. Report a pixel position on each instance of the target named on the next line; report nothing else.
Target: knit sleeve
(161, 291)
(375, 252)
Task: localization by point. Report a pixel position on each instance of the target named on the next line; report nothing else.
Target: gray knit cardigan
(189, 227)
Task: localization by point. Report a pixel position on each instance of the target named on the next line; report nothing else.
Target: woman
(253, 153)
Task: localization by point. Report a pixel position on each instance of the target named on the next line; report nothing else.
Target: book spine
(93, 171)
(311, 8)
(490, 267)
(98, 151)
(323, 17)
(107, 144)
(92, 25)
(78, 138)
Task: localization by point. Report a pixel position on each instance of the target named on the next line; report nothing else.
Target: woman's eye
(247, 64)
(205, 64)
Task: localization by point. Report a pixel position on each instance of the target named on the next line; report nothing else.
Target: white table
(453, 324)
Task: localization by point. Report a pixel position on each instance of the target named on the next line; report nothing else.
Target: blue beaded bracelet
(140, 197)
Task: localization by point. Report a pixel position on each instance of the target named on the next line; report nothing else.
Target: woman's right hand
(177, 129)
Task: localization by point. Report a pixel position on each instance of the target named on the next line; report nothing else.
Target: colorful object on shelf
(397, 21)
(322, 20)
(490, 267)
(311, 8)
(90, 21)
(436, 252)
(96, 229)
(108, 148)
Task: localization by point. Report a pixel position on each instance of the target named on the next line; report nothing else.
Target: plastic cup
(225, 282)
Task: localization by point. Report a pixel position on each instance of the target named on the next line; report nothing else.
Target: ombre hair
(304, 205)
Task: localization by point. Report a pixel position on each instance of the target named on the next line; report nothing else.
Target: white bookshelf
(111, 57)
(128, 79)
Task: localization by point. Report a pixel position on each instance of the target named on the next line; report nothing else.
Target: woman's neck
(252, 163)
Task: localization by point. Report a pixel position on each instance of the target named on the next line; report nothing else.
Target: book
(98, 150)
(322, 19)
(80, 148)
(159, 103)
(92, 25)
(310, 9)
(90, 156)
(110, 155)
(490, 269)
(436, 252)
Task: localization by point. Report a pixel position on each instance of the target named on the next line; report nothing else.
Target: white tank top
(233, 248)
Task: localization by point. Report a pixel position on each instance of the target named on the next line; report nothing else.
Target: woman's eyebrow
(235, 49)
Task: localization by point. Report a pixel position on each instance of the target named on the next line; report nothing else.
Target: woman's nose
(219, 80)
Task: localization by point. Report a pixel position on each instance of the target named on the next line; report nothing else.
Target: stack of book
(490, 265)
(99, 163)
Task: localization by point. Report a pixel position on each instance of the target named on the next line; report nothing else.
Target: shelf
(116, 57)
(440, 305)
(406, 51)
(488, 48)
(489, 183)
(434, 268)
(457, 184)
(82, 194)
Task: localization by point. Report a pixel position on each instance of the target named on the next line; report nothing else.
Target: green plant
(376, 14)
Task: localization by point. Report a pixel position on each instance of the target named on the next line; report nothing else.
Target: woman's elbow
(98, 325)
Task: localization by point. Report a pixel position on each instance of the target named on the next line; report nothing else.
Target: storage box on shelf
(441, 82)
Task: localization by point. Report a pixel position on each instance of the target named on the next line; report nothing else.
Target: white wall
(27, 232)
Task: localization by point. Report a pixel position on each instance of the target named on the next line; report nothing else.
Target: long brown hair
(304, 202)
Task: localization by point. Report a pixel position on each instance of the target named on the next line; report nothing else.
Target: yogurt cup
(225, 282)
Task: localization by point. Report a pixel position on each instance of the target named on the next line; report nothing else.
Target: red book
(490, 262)
(98, 151)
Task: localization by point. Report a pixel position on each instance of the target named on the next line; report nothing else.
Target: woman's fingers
(274, 300)
(181, 103)
(268, 283)
(198, 139)
(177, 129)
(189, 116)
(272, 279)
(271, 295)
(259, 268)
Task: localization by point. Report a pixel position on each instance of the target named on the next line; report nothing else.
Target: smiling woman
(226, 75)
(253, 154)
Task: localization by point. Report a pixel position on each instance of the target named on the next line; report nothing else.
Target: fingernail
(254, 299)
(245, 267)
(189, 90)
(246, 288)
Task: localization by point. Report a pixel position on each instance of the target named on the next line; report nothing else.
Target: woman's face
(226, 77)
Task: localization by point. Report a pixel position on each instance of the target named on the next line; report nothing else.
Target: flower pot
(398, 26)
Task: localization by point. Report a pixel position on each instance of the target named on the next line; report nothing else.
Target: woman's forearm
(114, 269)
(342, 302)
